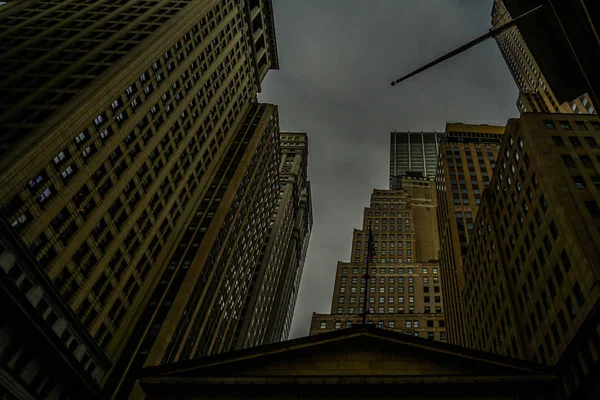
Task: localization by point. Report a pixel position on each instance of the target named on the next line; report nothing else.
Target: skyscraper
(133, 156)
(280, 321)
(460, 182)
(404, 291)
(563, 37)
(32, 357)
(412, 152)
(535, 93)
(289, 230)
(530, 270)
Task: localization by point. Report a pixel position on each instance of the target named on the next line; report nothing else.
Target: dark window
(558, 274)
(568, 160)
(579, 182)
(578, 295)
(575, 141)
(565, 125)
(549, 125)
(547, 244)
(570, 307)
(593, 208)
(551, 287)
(558, 141)
(591, 141)
(586, 161)
(553, 230)
(543, 203)
(565, 260)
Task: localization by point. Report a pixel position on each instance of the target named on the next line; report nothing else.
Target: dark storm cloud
(337, 59)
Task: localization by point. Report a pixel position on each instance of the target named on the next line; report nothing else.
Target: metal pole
(461, 49)
(366, 276)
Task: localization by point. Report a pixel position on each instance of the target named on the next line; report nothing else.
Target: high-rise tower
(531, 267)
(466, 163)
(283, 259)
(413, 152)
(404, 291)
(535, 93)
(132, 157)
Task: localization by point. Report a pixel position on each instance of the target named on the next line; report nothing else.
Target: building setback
(404, 291)
(133, 156)
(535, 93)
(412, 152)
(534, 251)
(465, 165)
(283, 258)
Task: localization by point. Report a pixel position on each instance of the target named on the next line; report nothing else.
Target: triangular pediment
(356, 353)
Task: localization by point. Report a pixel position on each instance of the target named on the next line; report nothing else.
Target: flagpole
(366, 276)
(492, 33)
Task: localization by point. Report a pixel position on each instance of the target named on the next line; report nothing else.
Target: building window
(586, 161)
(549, 125)
(565, 125)
(593, 208)
(591, 141)
(579, 182)
(568, 161)
(323, 324)
(575, 141)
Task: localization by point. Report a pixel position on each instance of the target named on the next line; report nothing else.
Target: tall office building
(466, 162)
(412, 152)
(535, 93)
(32, 359)
(289, 229)
(280, 321)
(563, 38)
(132, 157)
(531, 268)
(404, 292)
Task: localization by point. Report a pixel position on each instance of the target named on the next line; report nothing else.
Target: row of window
(390, 289)
(390, 299)
(566, 125)
(382, 270)
(390, 324)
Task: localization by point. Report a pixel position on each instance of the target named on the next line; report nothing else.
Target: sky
(337, 59)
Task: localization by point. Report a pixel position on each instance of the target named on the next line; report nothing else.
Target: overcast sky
(337, 58)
